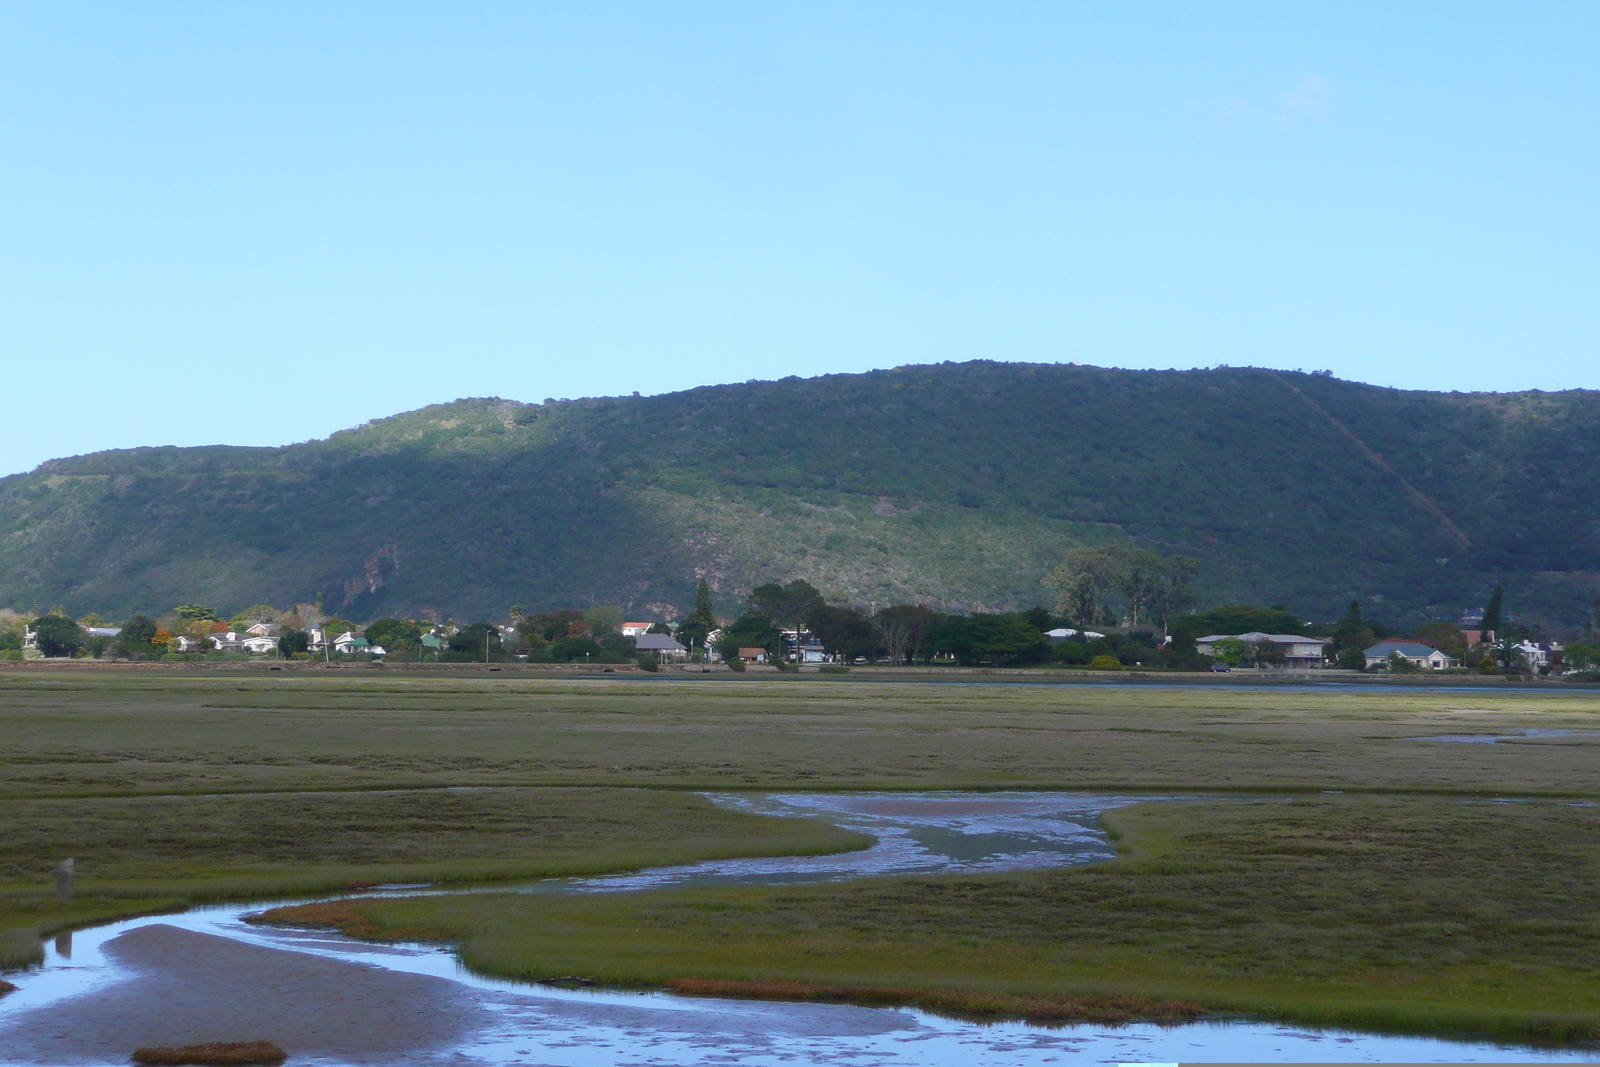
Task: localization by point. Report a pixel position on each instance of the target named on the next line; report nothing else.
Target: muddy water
(207, 975)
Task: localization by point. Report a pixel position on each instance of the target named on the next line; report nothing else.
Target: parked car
(1221, 668)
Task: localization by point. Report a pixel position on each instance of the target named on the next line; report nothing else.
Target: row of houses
(1311, 653)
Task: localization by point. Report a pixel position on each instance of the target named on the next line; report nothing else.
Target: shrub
(1105, 663)
(649, 661)
(1072, 652)
(735, 664)
(833, 668)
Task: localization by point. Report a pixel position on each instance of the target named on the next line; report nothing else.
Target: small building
(1064, 632)
(664, 645)
(753, 655)
(1537, 654)
(347, 644)
(264, 629)
(1471, 626)
(1418, 654)
(635, 629)
(225, 642)
(102, 631)
(1298, 651)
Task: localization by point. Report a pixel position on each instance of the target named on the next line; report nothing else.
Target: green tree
(1491, 613)
(750, 630)
(1082, 581)
(293, 641)
(481, 640)
(1445, 636)
(57, 635)
(1137, 573)
(1581, 656)
(701, 620)
(136, 640)
(195, 612)
(1175, 591)
(843, 631)
(1229, 650)
(605, 620)
(255, 613)
(1398, 664)
(905, 629)
(571, 649)
(785, 606)
(394, 636)
(1265, 652)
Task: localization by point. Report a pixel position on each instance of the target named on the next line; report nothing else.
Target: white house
(1420, 655)
(1537, 653)
(1064, 632)
(348, 643)
(635, 629)
(1298, 651)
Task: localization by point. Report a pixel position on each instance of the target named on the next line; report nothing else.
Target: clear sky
(259, 223)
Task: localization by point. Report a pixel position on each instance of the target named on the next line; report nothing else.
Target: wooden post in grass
(64, 880)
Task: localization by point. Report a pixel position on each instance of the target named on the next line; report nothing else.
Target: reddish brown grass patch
(6, 987)
(343, 916)
(1062, 1008)
(218, 1052)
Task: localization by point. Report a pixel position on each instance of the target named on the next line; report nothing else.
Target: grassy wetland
(1415, 899)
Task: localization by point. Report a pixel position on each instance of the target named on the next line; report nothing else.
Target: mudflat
(187, 988)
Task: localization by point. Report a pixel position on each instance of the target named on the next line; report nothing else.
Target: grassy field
(1411, 913)
(139, 854)
(170, 787)
(130, 732)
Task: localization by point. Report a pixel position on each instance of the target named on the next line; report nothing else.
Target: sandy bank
(191, 987)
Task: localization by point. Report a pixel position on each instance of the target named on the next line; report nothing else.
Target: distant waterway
(338, 1002)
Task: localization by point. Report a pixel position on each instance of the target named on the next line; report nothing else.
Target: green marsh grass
(1402, 913)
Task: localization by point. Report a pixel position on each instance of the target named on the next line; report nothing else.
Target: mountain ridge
(955, 484)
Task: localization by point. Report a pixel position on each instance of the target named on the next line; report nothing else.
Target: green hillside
(959, 485)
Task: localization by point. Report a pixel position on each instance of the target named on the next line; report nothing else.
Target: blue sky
(259, 223)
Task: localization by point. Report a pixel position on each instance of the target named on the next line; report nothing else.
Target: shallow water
(1519, 735)
(922, 833)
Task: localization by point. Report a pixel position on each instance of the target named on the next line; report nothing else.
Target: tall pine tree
(1491, 614)
(701, 620)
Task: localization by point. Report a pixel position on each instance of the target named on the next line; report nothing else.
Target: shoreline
(868, 672)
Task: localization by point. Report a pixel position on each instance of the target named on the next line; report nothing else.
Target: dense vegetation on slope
(960, 485)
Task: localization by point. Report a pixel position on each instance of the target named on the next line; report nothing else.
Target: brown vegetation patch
(1057, 1008)
(341, 915)
(223, 1052)
(6, 987)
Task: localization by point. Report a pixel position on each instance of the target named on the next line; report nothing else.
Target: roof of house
(658, 643)
(1277, 639)
(1409, 649)
(102, 631)
(751, 653)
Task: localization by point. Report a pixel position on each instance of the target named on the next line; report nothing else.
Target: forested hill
(957, 484)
